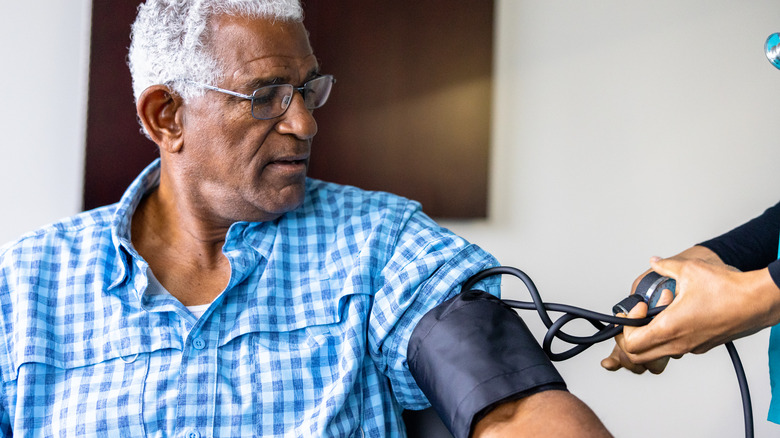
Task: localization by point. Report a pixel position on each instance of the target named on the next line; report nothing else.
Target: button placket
(198, 378)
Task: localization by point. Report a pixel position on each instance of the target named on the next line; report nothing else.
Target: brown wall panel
(116, 150)
(410, 113)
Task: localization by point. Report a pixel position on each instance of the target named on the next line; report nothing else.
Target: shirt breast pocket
(321, 343)
(312, 363)
(57, 395)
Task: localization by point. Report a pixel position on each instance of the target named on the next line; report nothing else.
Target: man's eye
(267, 95)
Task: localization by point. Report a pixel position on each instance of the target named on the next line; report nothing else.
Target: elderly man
(228, 295)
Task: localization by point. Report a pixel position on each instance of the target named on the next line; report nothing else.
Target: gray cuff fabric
(473, 352)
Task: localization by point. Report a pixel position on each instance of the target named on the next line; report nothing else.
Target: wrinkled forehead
(251, 48)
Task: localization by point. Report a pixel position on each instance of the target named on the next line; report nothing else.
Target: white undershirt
(198, 310)
(156, 288)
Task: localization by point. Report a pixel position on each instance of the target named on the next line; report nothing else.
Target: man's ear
(160, 111)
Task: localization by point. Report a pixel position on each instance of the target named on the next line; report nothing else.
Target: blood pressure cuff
(473, 352)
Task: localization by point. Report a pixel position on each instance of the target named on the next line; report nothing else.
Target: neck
(183, 249)
(161, 220)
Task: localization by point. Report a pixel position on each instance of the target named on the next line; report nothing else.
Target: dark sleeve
(753, 245)
(472, 353)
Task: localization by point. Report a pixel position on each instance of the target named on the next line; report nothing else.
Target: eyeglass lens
(273, 100)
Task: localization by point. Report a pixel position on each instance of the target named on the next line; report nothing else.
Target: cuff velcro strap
(472, 352)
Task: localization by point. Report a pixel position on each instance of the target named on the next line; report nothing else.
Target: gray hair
(169, 40)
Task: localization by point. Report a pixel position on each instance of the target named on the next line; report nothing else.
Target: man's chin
(289, 199)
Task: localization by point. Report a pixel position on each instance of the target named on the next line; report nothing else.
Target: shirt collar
(120, 224)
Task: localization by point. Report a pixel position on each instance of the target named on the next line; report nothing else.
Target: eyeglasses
(272, 101)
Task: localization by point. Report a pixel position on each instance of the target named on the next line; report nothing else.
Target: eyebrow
(262, 82)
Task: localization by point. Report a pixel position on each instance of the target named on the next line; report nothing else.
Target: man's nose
(298, 120)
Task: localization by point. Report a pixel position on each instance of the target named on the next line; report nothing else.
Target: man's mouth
(299, 162)
(289, 164)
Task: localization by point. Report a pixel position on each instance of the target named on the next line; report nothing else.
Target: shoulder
(349, 200)
(67, 230)
(393, 226)
(41, 255)
(340, 206)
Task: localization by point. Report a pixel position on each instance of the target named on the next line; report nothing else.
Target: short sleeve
(427, 266)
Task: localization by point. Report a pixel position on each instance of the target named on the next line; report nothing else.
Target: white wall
(622, 129)
(44, 46)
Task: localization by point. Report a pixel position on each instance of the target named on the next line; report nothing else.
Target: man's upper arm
(426, 266)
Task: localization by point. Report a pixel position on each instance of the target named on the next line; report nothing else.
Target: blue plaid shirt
(308, 339)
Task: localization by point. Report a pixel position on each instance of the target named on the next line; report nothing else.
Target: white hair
(169, 40)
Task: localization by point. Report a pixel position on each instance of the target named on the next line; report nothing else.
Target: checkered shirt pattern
(308, 339)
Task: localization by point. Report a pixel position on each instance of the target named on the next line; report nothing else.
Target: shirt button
(199, 344)
(193, 434)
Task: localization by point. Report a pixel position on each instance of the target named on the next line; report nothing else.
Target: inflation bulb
(648, 290)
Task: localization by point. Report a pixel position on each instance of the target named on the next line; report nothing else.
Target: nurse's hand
(715, 304)
(619, 359)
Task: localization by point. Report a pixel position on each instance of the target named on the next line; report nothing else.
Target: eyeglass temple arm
(222, 90)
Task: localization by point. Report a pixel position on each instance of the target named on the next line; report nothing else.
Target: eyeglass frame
(251, 97)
